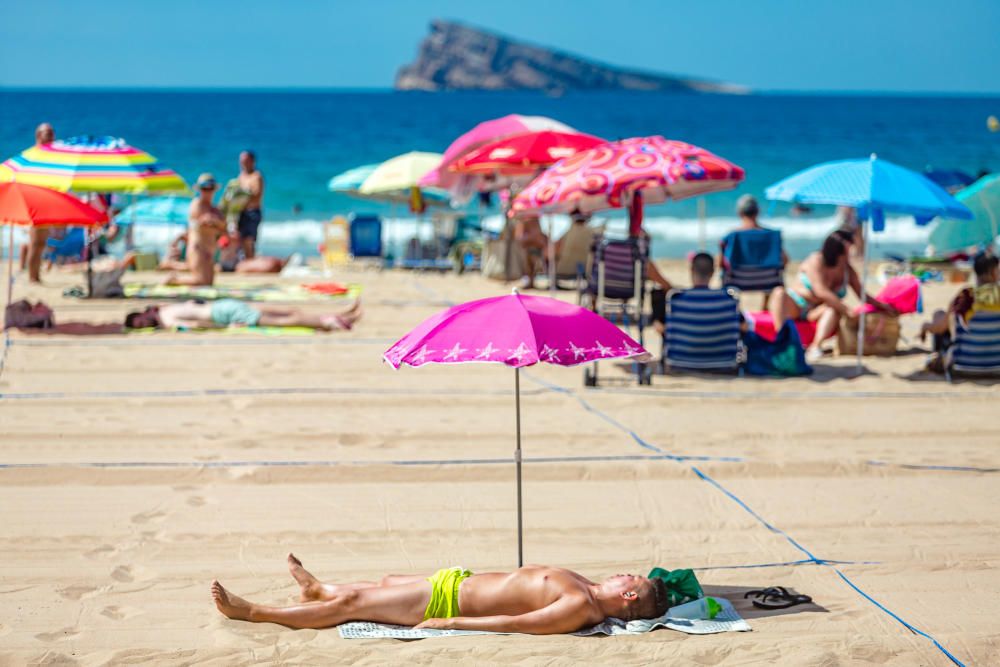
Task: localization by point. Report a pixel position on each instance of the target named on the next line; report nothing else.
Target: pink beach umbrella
(481, 134)
(613, 174)
(515, 330)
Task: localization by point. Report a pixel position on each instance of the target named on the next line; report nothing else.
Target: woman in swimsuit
(817, 295)
(205, 226)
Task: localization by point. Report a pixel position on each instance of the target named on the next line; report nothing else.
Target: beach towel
(246, 292)
(752, 259)
(728, 620)
(902, 293)
(761, 323)
(234, 331)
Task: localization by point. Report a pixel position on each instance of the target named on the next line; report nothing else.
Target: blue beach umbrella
(157, 211)
(350, 180)
(983, 199)
(951, 180)
(874, 187)
(349, 183)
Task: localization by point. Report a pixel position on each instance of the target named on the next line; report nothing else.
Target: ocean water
(304, 138)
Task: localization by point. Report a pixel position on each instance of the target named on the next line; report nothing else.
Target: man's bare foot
(343, 321)
(311, 586)
(232, 606)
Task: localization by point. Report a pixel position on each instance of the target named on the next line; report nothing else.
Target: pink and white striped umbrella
(481, 134)
(518, 331)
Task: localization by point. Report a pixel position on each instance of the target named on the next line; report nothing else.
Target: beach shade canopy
(349, 183)
(481, 134)
(402, 172)
(92, 164)
(608, 176)
(524, 154)
(167, 210)
(874, 187)
(32, 205)
(983, 199)
(534, 329)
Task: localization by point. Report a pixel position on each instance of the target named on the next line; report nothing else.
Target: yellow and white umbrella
(402, 172)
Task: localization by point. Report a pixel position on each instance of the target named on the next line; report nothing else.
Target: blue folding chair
(703, 330)
(70, 246)
(976, 350)
(752, 260)
(365, 237)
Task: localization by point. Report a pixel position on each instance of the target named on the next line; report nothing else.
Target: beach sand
(138, 468)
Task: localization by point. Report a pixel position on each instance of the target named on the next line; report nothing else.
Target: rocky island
(458, 57)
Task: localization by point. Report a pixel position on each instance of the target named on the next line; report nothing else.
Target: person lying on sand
(232, 312)
(534, 599)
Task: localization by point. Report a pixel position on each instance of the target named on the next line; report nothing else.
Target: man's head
(248, 161)
(702, 269)
(206, 185)
(986, 267)
(44, 134)
(747, 207)
(629, 596)
(147, 319)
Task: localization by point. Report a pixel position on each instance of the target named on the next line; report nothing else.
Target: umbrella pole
(702, 224)
(552, 256)
(864, 290)
(10, 264)
(517, 463)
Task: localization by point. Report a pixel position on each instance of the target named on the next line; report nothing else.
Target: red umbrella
(22, 204)
(524, 154)
(32, 205)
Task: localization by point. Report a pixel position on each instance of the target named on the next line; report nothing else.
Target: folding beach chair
(365, 236)
(752, 260)
(976, 350)
(703, 331)
(615, 288)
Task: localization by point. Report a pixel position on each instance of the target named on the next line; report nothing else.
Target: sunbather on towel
(233, 313)
(534, 599)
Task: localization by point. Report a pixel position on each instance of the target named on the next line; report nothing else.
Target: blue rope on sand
(707, 478)
(185, 393)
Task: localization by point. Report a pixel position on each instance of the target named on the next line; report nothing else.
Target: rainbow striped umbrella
(92, 164)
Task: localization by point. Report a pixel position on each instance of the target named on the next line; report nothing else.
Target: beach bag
(494, 262)
(682, 585)
(23, 315)
(107, 284)
(881, 335)
(783, 357)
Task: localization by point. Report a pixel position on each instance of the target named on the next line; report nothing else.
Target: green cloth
(682, 585)
(444, 592)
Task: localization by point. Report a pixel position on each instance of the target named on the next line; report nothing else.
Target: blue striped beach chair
(754, 260)
(703, 331)
(976, 350)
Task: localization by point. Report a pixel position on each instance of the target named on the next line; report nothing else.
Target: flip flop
(776, 597)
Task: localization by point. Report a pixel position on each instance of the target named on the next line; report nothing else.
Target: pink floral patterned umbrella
(608, 175)
(515, 330)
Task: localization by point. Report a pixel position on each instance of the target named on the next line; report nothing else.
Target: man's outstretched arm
(567, 614)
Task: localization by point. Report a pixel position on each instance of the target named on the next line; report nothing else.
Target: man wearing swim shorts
(534, 599)
(252, 182)
(223, 313)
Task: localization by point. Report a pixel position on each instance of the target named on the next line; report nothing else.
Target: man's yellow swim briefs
(444, 592)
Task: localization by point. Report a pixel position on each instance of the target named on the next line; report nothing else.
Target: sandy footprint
(196, 501)
(103, 551)
(119, 613)
(146, 517)
(76, 592)
(123, 573)
(65, 633)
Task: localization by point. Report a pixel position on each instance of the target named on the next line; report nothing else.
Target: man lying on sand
(534, 599)
(232, 312)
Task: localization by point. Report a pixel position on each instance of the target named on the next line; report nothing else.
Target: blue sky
(807, 45)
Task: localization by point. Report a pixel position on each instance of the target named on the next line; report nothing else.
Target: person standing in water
(252, 182)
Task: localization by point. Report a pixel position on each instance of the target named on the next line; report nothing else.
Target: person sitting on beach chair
(233, 313)
(984, 296)
(534, 599)
(573, 249)
(702, 269)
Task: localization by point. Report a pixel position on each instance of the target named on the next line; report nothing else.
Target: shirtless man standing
(252, 182)
(205, 226)
(534, 599)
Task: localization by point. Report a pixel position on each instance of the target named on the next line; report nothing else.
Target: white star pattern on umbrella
(550, 353)
(577, 351)
(605, 351)
(630, 351)
(519, 353)
(487, 351)
(421, 355)
(454, 352)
